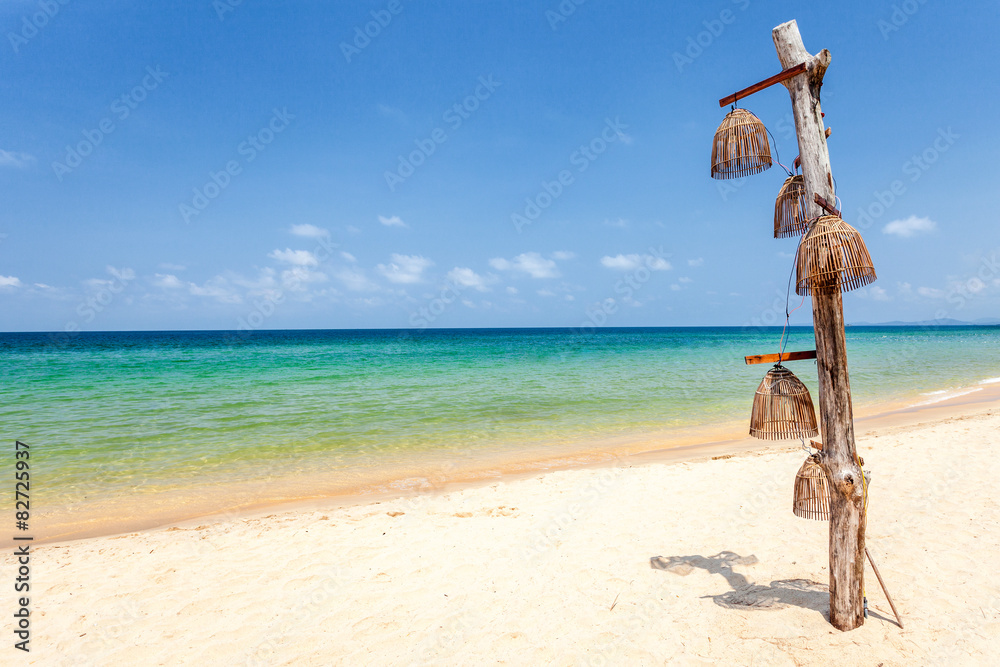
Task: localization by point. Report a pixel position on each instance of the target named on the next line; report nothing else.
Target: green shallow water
(114, 411)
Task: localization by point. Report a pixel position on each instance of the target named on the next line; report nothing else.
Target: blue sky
(269, 165)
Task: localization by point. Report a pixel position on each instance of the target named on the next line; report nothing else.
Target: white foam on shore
(989, 381)
(935, 393)
(945, 395)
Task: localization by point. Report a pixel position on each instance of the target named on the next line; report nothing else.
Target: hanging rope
(788, 291)
(777, 158)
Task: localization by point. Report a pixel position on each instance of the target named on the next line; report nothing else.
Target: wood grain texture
(784, 356)
(847, 520)
(761, 85)
(826, 206)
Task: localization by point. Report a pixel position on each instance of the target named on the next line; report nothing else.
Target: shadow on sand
(744, 595)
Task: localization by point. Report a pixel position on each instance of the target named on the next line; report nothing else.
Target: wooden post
(839, 458)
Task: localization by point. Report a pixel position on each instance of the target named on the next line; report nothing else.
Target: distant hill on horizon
(946, 322)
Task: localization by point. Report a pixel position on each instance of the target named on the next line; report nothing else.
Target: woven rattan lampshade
(832, 256)
(740, 147)
(812, 493)
(782, 407)
(791, 216)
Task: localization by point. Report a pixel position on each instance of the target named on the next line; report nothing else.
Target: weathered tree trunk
(847, 520)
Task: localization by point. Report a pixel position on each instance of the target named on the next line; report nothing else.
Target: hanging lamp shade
(740, 147)
(812, 491)
(782, 407)
(832, 257)
(791, 216)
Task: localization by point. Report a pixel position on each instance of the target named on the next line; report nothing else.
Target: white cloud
(685, 279)
(264, 283)
(392, 112)
(622, 262)
(910, 226)
(405, 269)
(172, 267)
(348, 256)
(675, 287)
(126, 274)
(217, 288)
(545, 292)
(9, 281)
(930, 292)
(309, 231)
(16, 160)
(973, 285)
(633, 262)
(563, 255)
(465, 277)
(511, 290)
(168, 281)
(878, 294)
(696, 262)
(394, 221)
(531, 263)
(356, 280)
(620, 223)
(297, 278)
(294, 257)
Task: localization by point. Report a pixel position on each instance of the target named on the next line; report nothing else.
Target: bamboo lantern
(740, 147)
(790, 210)
(782, 407)
(812, 492)
(832, 256)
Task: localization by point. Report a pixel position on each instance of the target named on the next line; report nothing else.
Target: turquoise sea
(132, 414)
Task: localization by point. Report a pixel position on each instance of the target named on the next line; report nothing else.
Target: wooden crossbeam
(766, 83)
(825, 205)
(773, 358)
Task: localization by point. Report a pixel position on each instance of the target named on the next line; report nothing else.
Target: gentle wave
(949, 394)
(187, 408)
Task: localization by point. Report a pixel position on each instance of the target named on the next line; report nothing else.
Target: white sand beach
(638, 562)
